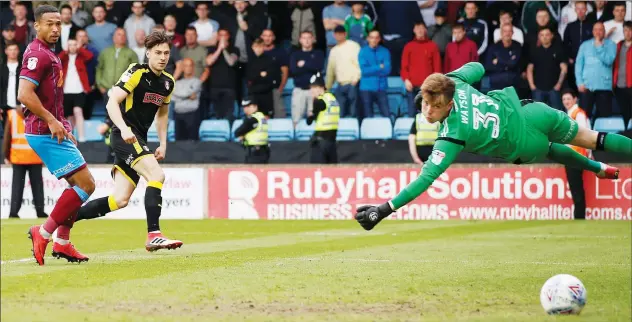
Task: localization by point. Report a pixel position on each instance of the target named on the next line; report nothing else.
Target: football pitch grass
(318, 270)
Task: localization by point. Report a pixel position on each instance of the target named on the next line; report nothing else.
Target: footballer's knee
(157, 175)
(121, 202)
(84, 180)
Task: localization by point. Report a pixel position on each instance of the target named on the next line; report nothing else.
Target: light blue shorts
(62, 159)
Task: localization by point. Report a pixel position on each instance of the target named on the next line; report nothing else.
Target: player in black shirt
(142, 92)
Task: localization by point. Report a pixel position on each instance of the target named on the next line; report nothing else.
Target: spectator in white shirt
(614, 27)
(206, 28)
(427, 9)
(9, 78)
(137, 20)
(569, 15)
(505, 17)
(68, 28)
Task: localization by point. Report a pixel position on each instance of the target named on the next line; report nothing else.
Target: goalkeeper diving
(498, 125)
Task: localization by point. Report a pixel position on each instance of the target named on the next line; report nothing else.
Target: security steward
(326, 113)
(23, 159)
(422, 135)
(254, 133)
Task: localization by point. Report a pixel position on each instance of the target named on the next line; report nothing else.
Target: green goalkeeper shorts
(543, 125)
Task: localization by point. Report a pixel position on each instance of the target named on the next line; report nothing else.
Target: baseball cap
(317, 80)
(247, 101)
(339, 29)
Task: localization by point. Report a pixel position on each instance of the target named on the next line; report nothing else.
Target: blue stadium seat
(236, 124)
(303, 131)
(348, 129)
(395, 85)
(215, 130)
(280, 130)
(289, 86)
(287, 101)
(610, 124)
(92, 131)
(396, 104)
(630, 125)
(376, 128)
(401, 130)
(152, 134)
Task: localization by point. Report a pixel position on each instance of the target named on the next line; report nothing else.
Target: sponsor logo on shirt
(153, 98)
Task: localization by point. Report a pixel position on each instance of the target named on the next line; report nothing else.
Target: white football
(563, 294)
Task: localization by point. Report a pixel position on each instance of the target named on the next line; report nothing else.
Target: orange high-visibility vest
(21, 152)
(573, 112)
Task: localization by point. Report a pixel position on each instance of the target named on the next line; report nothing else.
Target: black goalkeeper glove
(369, 216)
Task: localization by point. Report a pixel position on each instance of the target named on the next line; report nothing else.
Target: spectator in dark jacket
(282, 60)
(441, 31)
(575, 34)
(503, 60)
(222, 60)
(547, 70)
(475, 28)
(375, 65)
(460, 51)
(303, 64)
(9, 78)
(184, 14)
(601, 13)
(397, 19)
(262, 78)
(622, 73)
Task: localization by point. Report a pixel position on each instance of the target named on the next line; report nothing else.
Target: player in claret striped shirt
(49, 134)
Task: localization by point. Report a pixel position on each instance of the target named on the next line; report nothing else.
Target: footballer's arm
(162, 122)
(117, 96)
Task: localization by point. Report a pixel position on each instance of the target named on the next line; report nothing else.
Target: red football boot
(68, 252)
(39, 244)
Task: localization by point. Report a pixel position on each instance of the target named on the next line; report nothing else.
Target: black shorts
(126, 155)
(73, 100)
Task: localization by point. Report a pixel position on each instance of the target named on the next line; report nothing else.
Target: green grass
(319, 270)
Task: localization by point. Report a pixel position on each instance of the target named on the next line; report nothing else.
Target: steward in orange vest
(23, 159)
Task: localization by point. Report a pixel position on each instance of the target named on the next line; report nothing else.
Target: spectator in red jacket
(421, 58)
(459, 52)
(622, 73)
(76, 84)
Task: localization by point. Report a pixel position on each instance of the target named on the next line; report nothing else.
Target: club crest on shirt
(437, 156)
(31, 63)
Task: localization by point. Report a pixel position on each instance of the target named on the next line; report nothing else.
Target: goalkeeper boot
(68, 252)
(156, 241)
(39, 244)
(608, 172)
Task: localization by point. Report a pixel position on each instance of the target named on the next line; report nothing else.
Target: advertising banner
(182, 194)
(508, 193)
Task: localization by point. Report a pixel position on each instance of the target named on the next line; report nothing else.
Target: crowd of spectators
(223, 50)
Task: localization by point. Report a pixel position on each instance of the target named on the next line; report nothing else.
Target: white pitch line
(468, 262)
(21, 260)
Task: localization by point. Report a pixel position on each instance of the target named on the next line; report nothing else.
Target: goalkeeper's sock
(97, 208)
(153, 205)
(616, 143)
(565, 155)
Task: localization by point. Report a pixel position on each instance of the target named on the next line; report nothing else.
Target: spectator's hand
(160, 153)
(280, 89)
(263, 73)
(581, 88)
(524, 75)
(103, 128)
(532, 87)
(6, 161)
(419, 162)
(408, 85)
(300, 63)
(355, 82)
(243, 25)
(1, 111)
(57, 130)
(613, 29)
(495, 61)
(193, 96)
(571, 61)
(128, 136)
(102, 90)
(557, 87)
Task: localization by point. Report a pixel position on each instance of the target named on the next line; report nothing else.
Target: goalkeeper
(497, 125)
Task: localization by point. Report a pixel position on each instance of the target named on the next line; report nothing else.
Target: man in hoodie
(375, 65)
(593, 72)
(459, 52)
(440, 32)
(421, 58)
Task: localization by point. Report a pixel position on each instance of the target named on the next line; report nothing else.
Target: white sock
(44, 233)
(62, 241)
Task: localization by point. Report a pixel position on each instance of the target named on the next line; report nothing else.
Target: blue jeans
(369, 97)
(552, 98)
(347, 96)
(410, 96)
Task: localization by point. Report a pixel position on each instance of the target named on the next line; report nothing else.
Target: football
(563, 294)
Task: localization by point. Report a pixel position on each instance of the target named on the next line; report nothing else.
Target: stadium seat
(630, 125)
(236, 124)
(376, 128)
(280, 130)
(395, 85)
(92, 131)
(611, 124)
(348, 129)
(289, 86)
(396, 104)
(215, 130)
(303, 131)
(401, 130)
(287, 101)
(152, 134)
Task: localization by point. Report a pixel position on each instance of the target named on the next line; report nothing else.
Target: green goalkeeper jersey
(483, 124)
